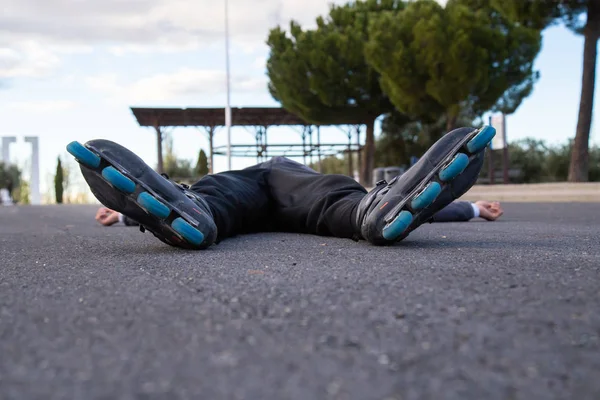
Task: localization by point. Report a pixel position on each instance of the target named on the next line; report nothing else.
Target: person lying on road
(457, 211)
(283, 195)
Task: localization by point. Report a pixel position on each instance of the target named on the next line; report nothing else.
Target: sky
(70, 70)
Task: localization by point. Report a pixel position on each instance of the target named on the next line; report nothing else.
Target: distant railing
(513, 173)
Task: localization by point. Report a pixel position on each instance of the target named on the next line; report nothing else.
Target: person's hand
(106, 216)
(489, 210)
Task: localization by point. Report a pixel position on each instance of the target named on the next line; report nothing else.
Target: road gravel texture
(477, 310)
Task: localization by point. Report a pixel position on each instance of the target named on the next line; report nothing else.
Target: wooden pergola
(257, 118)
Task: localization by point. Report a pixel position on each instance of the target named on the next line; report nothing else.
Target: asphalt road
(478, 310)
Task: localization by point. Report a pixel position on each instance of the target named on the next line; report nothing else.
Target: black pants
(281, 195)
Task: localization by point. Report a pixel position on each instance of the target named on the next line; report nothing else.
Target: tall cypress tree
(202, 164)
(59, 179)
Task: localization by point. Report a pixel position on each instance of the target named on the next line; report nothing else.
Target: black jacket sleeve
(129, 222)
(457, 211)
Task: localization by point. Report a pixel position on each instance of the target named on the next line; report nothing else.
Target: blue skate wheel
(481, 140)
(187, 231)
(427, 196)
(455, 168)
(83, 155)
(118, 180)
(395, 228)
(152, 205)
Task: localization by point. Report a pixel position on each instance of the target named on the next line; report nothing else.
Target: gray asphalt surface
(478, 310)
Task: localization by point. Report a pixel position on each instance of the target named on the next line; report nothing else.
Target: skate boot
(390, 211)
(125, 183)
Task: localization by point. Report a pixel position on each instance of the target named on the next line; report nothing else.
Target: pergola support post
(159, 140)
(211, 146)
(210, 132)
(304, 145)
(265, 145)
(310, 142)
(319, 148)
(350, 166)
(358, 150)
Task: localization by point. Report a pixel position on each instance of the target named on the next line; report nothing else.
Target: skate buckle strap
(367, 201)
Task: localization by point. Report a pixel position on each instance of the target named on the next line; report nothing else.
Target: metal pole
(228, 106)
(504, 151)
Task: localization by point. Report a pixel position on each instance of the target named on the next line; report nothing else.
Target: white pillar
(6, 142)
(34, 182)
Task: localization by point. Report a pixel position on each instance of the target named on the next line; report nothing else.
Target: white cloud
(30, 60)
(170, 23)
(42, 106)
(34, 34)
(260, 62)
(183, 82)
